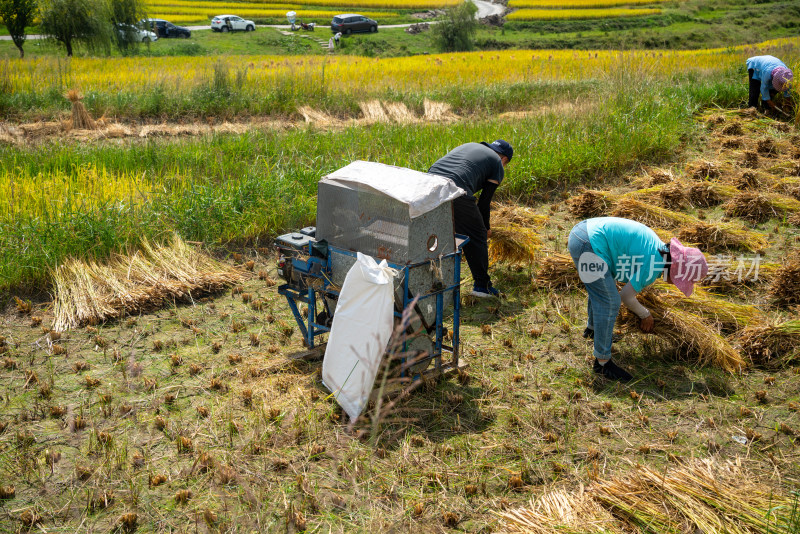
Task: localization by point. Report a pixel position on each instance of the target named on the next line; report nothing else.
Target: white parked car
(137, 34)
(231, 23)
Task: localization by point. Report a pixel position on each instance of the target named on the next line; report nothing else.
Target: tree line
(96, 24)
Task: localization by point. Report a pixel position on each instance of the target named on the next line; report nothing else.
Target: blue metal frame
(318, 268)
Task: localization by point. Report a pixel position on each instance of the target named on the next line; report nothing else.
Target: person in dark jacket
(475, 167)
(767, 76)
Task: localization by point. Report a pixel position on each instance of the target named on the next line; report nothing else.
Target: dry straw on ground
(758, 207)
(514, 243)
(785, 287)
(80, 117)
(696, 496)
(772, 345)
(693, 336)
(591, 203)
(89, 292)
(558, 271)
(728, 316)
(706, 193)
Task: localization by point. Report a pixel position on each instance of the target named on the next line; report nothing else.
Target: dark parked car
(165, 29)
(350, 23)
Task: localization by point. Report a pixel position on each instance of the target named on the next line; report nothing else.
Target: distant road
(484, 10)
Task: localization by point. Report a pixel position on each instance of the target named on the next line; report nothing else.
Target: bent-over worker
(475, 167)
(607, 250)
(767, 75)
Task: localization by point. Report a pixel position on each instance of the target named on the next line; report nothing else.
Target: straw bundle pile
(661, 176)
(562, 512)
(714, 237)
(728, 316)
(734, 276)
(703, 170)
(671, 195)
(748, 181)
(706, 193)
(696, 496)
(87, 292)
(785, 287)
(773, 345)
(514, 244)
(650, 215)
(759, 207)
(710, 236)
(558, 271)
(699, 496)
(80, 117)
(591, 203)
(691, 334)
(508, 214)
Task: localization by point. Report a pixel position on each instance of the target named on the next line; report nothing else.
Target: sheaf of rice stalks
(88, 291)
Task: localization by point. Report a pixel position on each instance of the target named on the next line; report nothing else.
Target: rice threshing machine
(389, 213)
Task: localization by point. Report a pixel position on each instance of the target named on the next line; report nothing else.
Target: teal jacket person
(767, 76)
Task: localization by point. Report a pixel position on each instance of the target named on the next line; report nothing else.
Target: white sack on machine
(362, 326)
(422, 192)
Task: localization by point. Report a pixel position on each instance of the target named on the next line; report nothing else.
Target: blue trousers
(604, 299)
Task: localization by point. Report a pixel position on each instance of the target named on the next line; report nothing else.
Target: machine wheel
(250, 28)
(184, 36)
(224, 29)
(348, 31)
(146, 40)
(373, 29)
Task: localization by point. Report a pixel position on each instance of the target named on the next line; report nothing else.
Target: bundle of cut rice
(727, 315)
(722, 236)
(748, 181)
(506, 214)
(785, 287)
(694, 496)
(661, 176)
(591, 203)
(692, 336)
(514, 244)
(759, 207)
(703, 170)
(88, 292)
(81, 120)
(707, 193)
(738, 273)
(772, 346)
(698, 496)
(558, 271)
(671, 195)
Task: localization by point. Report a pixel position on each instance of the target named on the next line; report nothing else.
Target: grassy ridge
(251, 187)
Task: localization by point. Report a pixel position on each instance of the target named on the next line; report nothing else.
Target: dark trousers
(467, 221)
(754, 99)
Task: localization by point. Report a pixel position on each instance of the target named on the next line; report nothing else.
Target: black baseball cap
(502, 147)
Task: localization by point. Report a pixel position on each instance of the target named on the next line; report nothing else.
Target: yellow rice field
(347, 73)
(549, 14)
(56, 192)
(577, 4)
